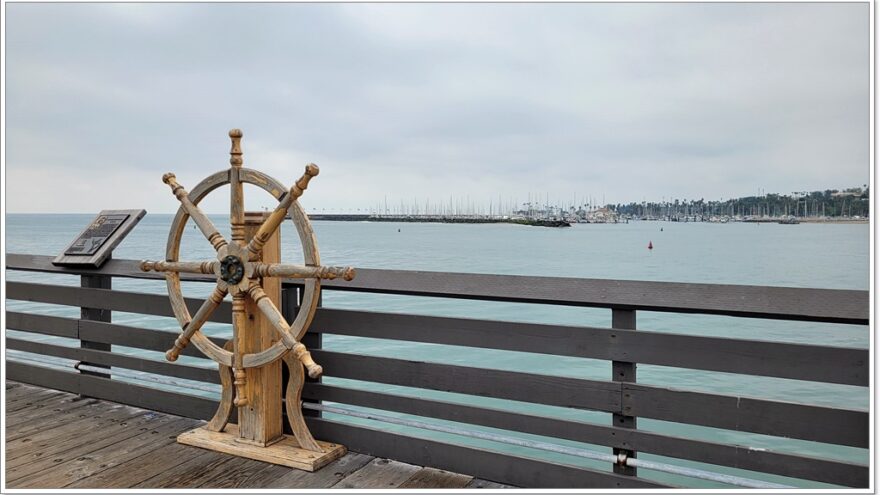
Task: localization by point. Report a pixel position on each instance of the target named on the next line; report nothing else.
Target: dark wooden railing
(622, 395)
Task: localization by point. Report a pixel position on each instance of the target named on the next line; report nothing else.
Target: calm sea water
(805, 255)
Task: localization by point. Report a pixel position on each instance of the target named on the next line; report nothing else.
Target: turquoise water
(805, 255)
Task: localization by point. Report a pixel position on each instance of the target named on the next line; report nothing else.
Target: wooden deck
(60, 440)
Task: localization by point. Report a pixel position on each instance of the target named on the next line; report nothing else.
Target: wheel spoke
(303, 271)
(195, 212)
(280, 325)
(203, 267)
(236, 198)
(271, 224)
(198, 320)
(239, 323)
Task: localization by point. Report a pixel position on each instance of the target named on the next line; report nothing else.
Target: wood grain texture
(427, 478)
(39, 445)
(201, 220)
(271, 223)
(114, 430)
(141, 468)
(71, 471)
(303, 271)
(379, 474)
(202, 267)
(327, 477)
(69, 409)
(478, 483)
(211, 303)
(227, 394)
(236, 190)
(191, 473)
(261, 421)
(107, 458)
(293, 404)
(285, 452)
(234, 474)
(239, 332)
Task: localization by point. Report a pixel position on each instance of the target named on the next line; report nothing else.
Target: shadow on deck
(60, 440)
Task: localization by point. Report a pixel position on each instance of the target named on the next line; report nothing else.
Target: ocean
(835, 256)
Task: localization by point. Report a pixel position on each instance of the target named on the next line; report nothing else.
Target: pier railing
(621, 395)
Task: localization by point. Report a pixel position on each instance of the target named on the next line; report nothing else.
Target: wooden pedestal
(285, 451)
(258, 434)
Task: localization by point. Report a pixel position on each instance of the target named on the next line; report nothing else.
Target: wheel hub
(231, 270)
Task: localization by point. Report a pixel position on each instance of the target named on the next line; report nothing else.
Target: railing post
(624, 371)
(95, 314)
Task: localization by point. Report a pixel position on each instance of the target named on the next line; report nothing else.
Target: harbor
(379, 246)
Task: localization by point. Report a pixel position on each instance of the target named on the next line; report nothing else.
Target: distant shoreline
(521, 221)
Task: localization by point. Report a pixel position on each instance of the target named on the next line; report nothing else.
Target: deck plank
(327, 477)
(478, 483)
(18, 393)
(140, 468)
(33, 402)
(63, 413)
(436, 478)
(82, 467)
(379, 473)
(192, 473)
(92, 438)
(234, 474)
(61, 440)
(89, 433)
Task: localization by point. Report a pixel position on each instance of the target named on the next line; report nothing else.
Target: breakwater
(535, 222)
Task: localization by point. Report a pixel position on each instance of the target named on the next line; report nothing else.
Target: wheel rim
(312, 287)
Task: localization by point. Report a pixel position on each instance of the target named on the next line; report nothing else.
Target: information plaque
(95, 244)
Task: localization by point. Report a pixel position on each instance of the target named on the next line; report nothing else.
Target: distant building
(854, 194)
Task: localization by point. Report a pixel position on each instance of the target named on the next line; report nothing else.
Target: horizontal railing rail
(786, 303)
(623, 398)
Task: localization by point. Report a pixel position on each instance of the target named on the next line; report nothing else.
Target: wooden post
(260, 422)
(624, 371)
(95, 314)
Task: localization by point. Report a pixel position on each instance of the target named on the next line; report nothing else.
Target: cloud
(420, 101)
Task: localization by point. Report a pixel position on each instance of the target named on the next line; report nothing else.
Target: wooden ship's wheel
(250, 368)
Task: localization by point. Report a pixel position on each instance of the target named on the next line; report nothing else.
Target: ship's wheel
(238, 270)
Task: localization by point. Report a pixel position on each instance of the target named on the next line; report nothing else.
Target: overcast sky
(404, 101)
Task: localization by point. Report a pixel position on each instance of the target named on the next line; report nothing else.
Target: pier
(534, 222)
(93, 389)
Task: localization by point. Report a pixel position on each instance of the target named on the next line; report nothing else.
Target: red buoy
(650, 245)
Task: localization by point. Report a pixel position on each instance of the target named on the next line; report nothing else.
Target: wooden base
(285, 452)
